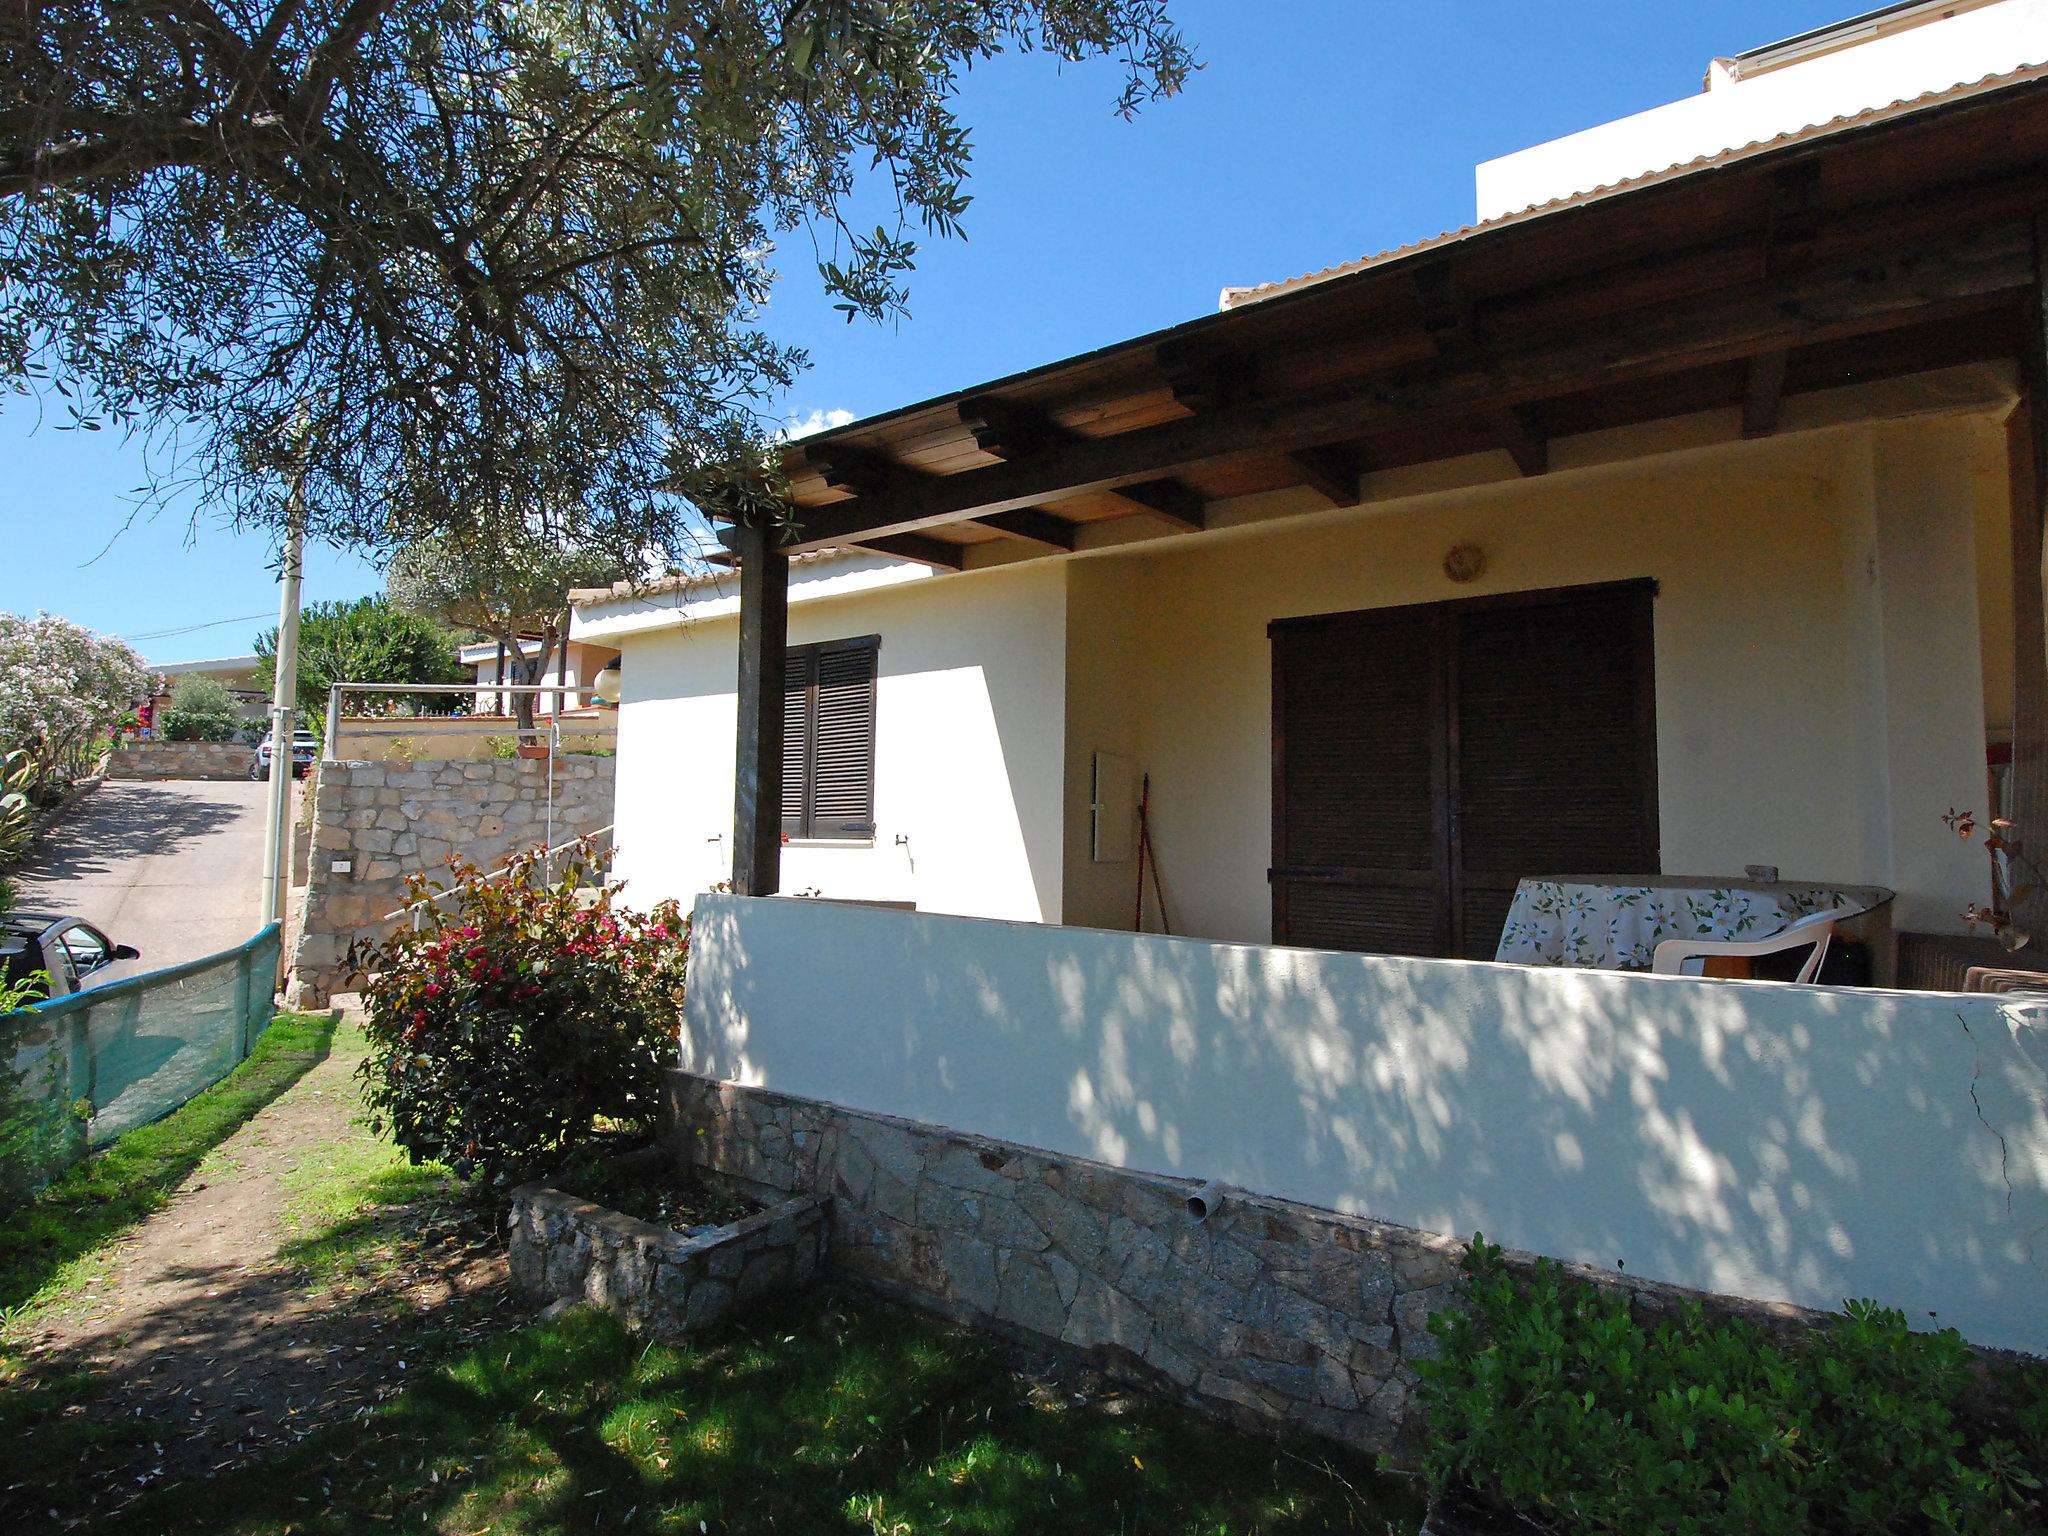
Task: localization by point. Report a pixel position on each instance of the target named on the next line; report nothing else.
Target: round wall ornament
(1464, 562)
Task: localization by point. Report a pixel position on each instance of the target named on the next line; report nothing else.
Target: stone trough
(654, 1279)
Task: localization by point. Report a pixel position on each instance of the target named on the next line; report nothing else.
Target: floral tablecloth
(1618, 927)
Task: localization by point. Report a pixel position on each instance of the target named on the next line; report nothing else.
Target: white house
(1686, 523)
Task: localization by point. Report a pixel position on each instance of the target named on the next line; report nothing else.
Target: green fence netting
(90, 1066)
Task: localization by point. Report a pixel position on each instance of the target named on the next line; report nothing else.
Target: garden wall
(1266, 1311)
(181, 760)
(384, 822)
(1789, 1144)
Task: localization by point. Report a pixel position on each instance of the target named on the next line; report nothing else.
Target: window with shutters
(828, 740)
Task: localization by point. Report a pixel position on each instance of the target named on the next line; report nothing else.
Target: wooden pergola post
(2027, 443)
(764, 640)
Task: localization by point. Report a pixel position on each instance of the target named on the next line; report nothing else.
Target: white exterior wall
(1819, 693)
(1737, 112)
(967, 739)
(1790, 1144)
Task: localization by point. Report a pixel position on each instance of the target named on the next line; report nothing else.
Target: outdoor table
(1604, 926)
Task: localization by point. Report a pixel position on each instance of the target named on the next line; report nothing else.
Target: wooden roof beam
(1007, 430)
(1524, 440)
(919, 549)
(1763, 388)
(1029, 525)
(1962, 272)
(1332, 473)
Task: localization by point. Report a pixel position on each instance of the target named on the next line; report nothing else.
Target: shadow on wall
(1794, 1144)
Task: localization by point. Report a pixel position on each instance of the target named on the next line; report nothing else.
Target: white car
(305, 752)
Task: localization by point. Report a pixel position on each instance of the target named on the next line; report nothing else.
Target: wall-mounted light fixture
(1464, 562)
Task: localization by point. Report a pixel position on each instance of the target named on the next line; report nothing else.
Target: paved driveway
(173, 867)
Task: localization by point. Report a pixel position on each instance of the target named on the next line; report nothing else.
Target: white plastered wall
(968, 771)
(1740, 111)
(1801, 1144)
(1819, 684)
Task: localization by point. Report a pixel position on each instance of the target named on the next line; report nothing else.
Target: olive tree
(450, 259)
(508, 588)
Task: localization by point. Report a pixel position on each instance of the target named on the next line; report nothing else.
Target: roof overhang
(1898, 242)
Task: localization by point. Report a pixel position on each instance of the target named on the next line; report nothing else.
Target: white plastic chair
(1688, 957)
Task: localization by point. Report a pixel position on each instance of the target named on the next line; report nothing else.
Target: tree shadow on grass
(819, 1416)
(116, 1188)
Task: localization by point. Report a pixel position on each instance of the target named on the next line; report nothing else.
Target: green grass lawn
(49, 1247)
(824, 1416)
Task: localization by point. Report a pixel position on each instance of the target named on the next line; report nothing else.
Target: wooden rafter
(919, 548)
(1960, 272)
(1524, 440)
(1333, 473)
(1006, 430)
(1031, 526)
(1763, 390)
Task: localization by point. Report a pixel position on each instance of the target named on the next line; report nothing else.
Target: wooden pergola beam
(1031, 526)
(1763, 390)
(763, 656)
(1332, 473)
(1959, 274)
(1524, 440)
(1006, 430)
(918, 548)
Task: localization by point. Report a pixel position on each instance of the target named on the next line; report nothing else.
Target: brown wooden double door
(1427, 758)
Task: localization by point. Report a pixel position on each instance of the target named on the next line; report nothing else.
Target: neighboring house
(239, 673)
(1685, 523)
(573, 666)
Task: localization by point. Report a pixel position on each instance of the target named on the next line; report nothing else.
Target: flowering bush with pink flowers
(519, 1020)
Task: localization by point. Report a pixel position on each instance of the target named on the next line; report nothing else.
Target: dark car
(69, 950)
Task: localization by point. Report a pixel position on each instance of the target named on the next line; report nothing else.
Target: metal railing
(523, 865)
(336, 691)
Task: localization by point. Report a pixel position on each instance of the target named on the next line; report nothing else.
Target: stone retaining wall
(181, 760)
(1267, 1312)
(386, 822)
(564, 1248)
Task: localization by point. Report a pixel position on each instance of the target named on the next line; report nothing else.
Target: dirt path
(207, 1325)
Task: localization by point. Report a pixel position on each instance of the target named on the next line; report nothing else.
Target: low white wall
(1788, 1144)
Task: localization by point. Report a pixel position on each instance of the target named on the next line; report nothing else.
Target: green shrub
(199, 725)
(1550, 1396)
(204, 695)
(503, 1030)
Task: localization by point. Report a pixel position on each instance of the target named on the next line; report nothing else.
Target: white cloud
(818, 421)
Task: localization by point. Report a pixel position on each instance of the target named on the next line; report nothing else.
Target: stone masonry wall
(181, 760)
(564, 1248)
(386, 822)
(1268, 1312)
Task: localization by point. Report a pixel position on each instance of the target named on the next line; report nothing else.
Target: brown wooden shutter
(1358, 788)
(1425, 759)
(1554, 766)
(797, 681)
(843, 735)
(828, 739)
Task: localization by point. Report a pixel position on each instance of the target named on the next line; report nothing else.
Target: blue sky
(1321, 130)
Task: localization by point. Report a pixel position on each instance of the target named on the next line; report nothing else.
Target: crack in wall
(2004, 1154)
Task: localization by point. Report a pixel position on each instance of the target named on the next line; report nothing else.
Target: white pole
(284, 693)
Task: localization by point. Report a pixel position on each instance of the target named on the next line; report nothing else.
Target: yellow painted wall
(1819, 697)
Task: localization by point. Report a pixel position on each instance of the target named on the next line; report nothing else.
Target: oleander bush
(1550, 1397)
(520, 1019)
